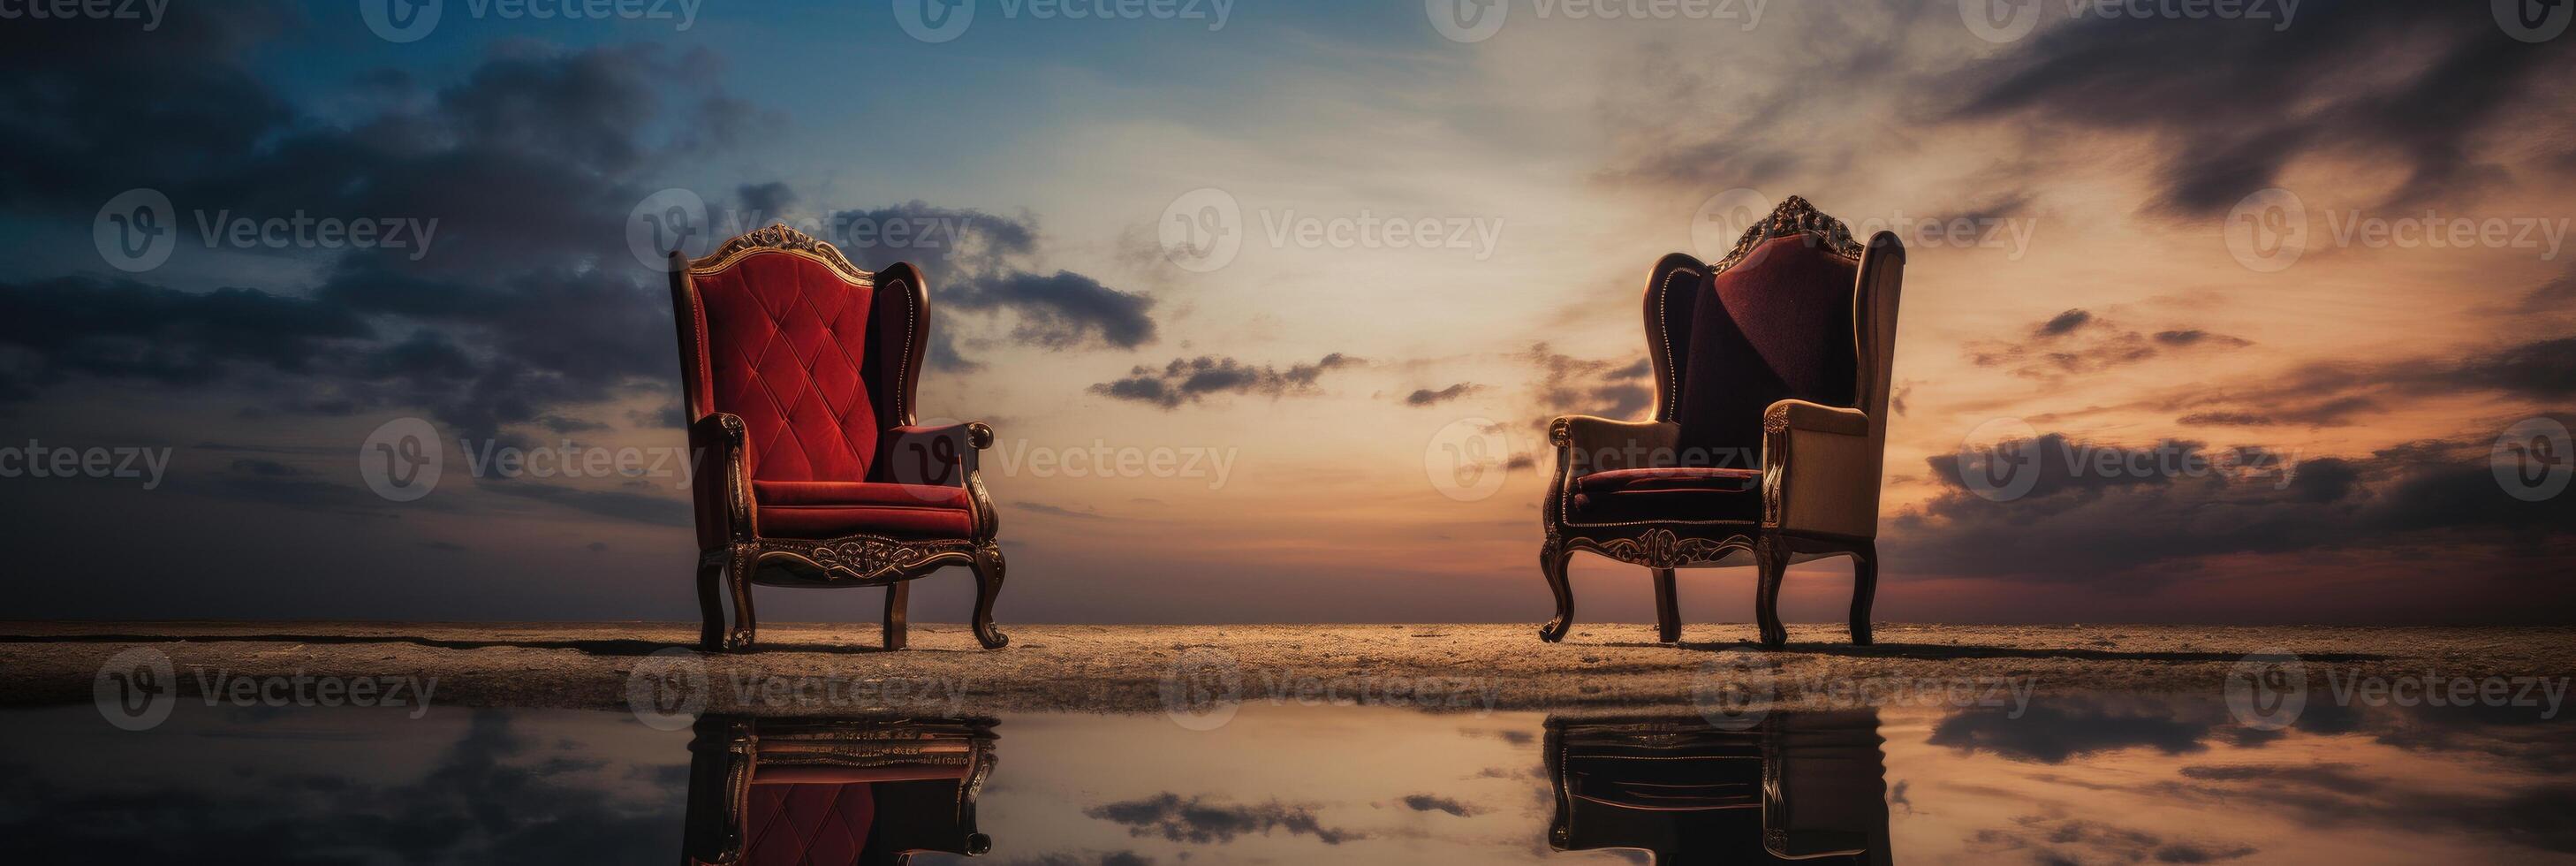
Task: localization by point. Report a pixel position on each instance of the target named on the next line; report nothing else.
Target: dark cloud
(1622, 389)
(977, 261)
(524, 302)
(2327, 394)
(1186, 380)
(2132, 518)
(1064, 311)
(2234, 102)
(1428, 397)
(1197, 821)
(2078, 342)
(2063, 323)
(1436, 803)
(1056, 510)
(2052, 733)
(494, 796)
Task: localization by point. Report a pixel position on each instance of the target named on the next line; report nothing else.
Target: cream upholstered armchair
(1772, 373)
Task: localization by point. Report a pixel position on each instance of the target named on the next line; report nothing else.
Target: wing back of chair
(1874, 295)
(1772, 321)
(816, 356)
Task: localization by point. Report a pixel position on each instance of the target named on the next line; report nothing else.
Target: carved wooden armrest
(1819, 469)
(716, 445)
(1588, 444)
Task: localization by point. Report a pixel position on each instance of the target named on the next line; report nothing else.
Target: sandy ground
(827, 669)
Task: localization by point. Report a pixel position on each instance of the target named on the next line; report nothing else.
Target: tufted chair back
(817, 356)
(1772, 321)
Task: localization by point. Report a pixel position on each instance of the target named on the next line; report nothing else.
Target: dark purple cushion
(1781, 329)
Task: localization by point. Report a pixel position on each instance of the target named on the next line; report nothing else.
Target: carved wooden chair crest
(1772, 373)
(799, 371)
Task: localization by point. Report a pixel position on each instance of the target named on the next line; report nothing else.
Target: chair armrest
(1591, 444)
(1820, 470)
(943, 456)
(1586, 444)
(720, 487)
(934, 455)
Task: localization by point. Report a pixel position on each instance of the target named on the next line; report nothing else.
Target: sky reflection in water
(2098, 779)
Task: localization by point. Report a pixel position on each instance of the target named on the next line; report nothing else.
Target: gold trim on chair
(778, 238)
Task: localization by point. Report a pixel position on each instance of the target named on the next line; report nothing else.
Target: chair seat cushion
(832, 509)
(797, 825)
(1674, 493)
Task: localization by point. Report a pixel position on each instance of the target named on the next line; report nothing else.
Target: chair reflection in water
(807, 792)
(1805, 787)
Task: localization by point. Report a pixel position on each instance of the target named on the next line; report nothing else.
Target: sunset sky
(2117, 287)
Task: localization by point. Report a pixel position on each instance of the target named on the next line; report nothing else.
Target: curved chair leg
(1864, 590)
(738, 578)
(1551, 563)
(988, 585)
(898, 597)
(1771, 558)
(711, 628)
(1668, 608)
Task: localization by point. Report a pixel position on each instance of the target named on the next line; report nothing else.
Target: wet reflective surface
(2110, 779)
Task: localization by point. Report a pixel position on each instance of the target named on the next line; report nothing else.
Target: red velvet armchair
(810, 792)
(799, 372)
(1772, 373)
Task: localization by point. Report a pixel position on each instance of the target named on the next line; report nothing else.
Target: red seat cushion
(807, 825)
(1697, 493)
(832, 509)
